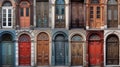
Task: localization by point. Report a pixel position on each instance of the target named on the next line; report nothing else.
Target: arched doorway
(95, 50)
(43, 49)
(24, 14)
(76, 50)
(7, 14)
(7, 50)
(24, 50)
(112, 50)
(60, 49)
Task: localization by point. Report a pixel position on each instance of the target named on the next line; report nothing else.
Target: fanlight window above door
(112, 1)
(6, 37)
(24, 38)
(94, 37)
(76, 38)
(7, 3)
(95, 1)
(43, 36)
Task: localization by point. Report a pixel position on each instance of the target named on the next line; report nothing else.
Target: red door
(95, 53)
(24, 50)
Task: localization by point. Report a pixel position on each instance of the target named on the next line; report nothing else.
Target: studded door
(42, 49)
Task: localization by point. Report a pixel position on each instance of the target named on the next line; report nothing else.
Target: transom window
(94, 1)
(7, 15)
(24, 38)
(94, 37)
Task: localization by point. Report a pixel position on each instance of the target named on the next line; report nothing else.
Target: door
(60, 50)
(7, 53)
(95, 53)
(42, 49)
(95, 19)
(112, 50)
(7, 50)
(112, 13)
(76, 51)
(24, 14)
(24, 50)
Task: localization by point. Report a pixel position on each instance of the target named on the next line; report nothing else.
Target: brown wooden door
(43, 49)
(95, 19)
(77, 15)
(24, 50)
(95, 53)
(76, 51)
(112, 50)
(76, 54)
(24, 14)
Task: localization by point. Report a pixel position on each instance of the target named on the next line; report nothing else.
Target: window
(98, 12)
(27, 11)
(91, 12)
(21, 11)
(60, 14)
(94, 1)
(7, 15)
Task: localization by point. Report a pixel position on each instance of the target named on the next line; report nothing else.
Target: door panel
(25, 20)
(59, 53)
(95, 19)
(7, 53)
(112, 50)
(77, 53)
(42, 49)
(24, 53)
(95, 53)
(43, 53)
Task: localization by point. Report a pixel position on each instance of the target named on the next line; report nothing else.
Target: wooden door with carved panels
(95, 51)
(76, 51)
(95, 16)
(112, 50)
(24, 14)
(77, 15)
(43, 49)
(24, 50)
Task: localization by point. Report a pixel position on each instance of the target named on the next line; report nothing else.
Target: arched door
(24, 50)
(42, 49)
(24, 14)
(60, 50)
(76, 50)
(95, 49)
(7, 50)
(7, 15)
(112, 50)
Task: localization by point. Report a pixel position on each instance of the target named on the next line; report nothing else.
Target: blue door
(7, 51)
(60, 50)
